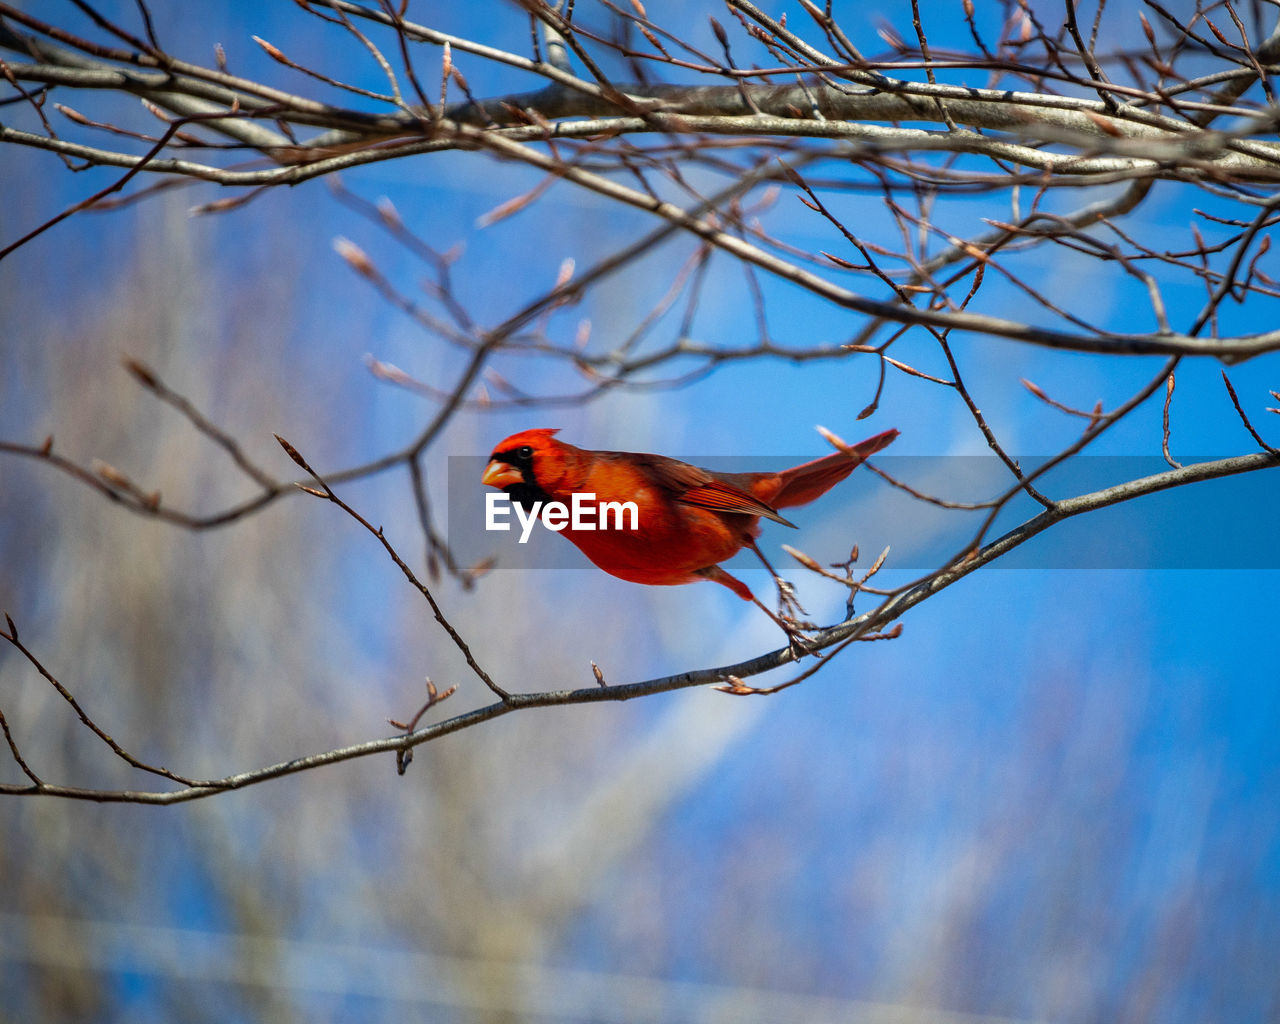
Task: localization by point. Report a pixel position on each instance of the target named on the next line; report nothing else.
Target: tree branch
(864, 625)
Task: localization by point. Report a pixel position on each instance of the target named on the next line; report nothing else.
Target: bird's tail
(802, 484)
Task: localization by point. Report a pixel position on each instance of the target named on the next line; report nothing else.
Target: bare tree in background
(706, 133)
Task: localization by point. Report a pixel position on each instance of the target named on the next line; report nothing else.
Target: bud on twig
(142, 373)
(111, 475)
(879, 562)
(1147, 30)
(1034, 389)
(1218, 32)
(355, 257)
(735, 686)
(155, 111)
(836, 441)
(890, 35)
(803, 559)
(272, 51)
(72, 115)
(1105, 123)
(292, 452)
(482, 567)
(389, 214)
(565, 274)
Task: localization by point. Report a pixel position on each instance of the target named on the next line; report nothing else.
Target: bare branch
(865, 626)
(326, 492)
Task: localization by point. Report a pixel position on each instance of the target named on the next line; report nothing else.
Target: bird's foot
(793, 627)
(789, 606)
(798, 641)
(795, 620)
(797, 631)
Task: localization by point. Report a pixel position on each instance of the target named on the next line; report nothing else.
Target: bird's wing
(693, 486)
(722, 497)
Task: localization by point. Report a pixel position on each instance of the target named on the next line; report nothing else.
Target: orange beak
(501, 474)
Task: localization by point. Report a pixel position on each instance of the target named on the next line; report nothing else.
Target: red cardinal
(689, 519)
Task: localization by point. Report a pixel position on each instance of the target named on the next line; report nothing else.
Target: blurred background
(1053, 798)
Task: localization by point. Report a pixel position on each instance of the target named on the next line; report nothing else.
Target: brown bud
(155, 111)
(482, 567)
(355, 257)
(142, 373)
(72, 115)
(836, 441)
(1034, 389)
(802, 558)
(389, 214)
(272, 51)
(1147, 30)
(111, 475)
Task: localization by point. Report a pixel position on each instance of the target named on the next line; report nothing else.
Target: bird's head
(525, 465)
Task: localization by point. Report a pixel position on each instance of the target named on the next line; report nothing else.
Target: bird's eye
(524, 452)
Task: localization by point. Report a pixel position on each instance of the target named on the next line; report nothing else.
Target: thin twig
(866, 625)
(85, 720)
(1269, 449)
(325, 491)
(1164, 421)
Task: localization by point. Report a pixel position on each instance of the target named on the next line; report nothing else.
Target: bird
(687, 520)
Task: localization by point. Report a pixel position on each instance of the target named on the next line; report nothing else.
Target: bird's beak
(501, 474)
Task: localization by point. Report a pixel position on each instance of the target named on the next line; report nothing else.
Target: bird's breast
(665, 543)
